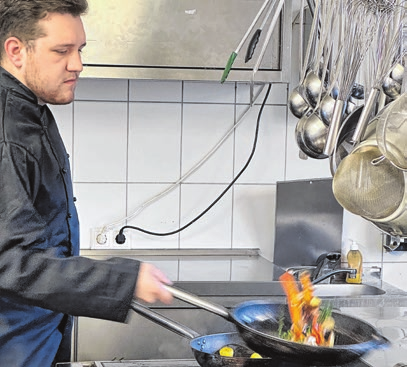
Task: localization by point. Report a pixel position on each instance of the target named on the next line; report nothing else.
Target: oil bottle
(355, 261)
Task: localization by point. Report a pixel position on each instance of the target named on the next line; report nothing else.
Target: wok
(258, 324)
(205, 347)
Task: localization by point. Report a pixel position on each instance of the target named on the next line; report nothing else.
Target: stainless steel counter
(201, 264)
(141, 340)
(241, 265)
(392, 323)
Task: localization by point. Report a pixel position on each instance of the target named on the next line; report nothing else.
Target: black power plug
(120, 238)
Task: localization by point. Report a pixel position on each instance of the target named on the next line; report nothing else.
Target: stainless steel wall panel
(308, 222)
(180, 39)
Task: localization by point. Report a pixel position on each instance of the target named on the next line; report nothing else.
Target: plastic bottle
(355, 261)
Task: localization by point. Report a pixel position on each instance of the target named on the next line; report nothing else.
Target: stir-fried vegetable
(311, 322)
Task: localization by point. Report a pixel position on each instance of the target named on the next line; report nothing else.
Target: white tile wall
(131, 140)
(154, 142)
(155, 91)
(100, 139)
(64, 116)
(161, 214)
(210, 231)
(278, 94)
(253, 217)
(103, 90)
(365, 234)
(98, 204)
(269, 161)
(203, 126)
(207, 92)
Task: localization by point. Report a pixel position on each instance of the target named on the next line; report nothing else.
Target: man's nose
(75, 63)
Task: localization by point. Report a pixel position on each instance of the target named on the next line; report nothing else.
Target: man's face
(53, 65)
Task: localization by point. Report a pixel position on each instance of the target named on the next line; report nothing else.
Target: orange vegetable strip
(294, 300)
(316, 330)
(307, 287)
(304, 309)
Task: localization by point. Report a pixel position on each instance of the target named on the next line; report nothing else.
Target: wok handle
(380, 340)
(199, 302)
(164, 321)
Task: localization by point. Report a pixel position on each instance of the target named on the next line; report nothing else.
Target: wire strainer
(367, 184)
(391, 132)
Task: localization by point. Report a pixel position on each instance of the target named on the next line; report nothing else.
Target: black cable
(120, 238)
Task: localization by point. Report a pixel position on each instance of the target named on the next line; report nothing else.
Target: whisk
(358, 29)
(386, 54)
(379, 6)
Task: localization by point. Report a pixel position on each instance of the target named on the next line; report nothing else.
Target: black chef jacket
(42, 280)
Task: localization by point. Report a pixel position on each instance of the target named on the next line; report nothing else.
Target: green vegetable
(286, 335)
(325, 312)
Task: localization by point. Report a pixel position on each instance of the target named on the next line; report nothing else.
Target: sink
(273, 288)
(347, 290)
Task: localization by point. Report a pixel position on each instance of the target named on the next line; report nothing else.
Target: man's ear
(15, 51)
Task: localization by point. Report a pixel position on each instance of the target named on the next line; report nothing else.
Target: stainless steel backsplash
(308, 222)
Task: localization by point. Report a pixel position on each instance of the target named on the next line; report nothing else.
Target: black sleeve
(33, 270)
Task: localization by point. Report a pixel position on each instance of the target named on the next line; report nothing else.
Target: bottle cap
(354, 246)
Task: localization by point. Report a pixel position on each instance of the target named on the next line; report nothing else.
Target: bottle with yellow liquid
(355, 261)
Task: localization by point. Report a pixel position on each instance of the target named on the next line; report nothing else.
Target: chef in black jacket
(43, 280)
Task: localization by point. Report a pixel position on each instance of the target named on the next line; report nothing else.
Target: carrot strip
(304, 310)
(307, 287)
(294, 301)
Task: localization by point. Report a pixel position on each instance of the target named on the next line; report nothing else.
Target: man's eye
(60, 51)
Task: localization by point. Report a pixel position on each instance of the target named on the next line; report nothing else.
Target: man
(42, 278)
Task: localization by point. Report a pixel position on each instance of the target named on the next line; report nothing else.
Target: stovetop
(171, 363)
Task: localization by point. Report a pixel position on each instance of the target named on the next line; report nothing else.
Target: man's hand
(149, 286)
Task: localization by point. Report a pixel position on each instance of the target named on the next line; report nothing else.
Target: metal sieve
(367, 184)
(391, 132)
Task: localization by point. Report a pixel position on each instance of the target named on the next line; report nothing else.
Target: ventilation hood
(181, 39)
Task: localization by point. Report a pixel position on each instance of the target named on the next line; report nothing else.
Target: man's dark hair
(19, 18)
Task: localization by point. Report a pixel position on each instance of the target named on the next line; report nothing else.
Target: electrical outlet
(99, 239)
(115, 245)
(106, 240)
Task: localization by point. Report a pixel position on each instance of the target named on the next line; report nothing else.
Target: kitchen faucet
(351, 272)
(326, 267)
(296, 270)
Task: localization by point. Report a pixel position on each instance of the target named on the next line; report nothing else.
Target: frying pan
(258, 323)
(205, 347)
